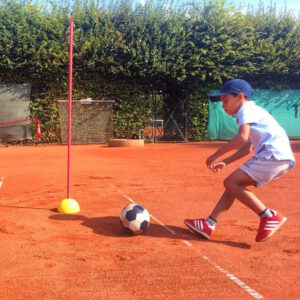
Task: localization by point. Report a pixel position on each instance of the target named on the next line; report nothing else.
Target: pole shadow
(110, 226)
(27, 207)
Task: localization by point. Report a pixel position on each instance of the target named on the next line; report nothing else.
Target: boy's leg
(223, 204)
(236, 183)
(228, 198)
(235, 187)
(205, 226)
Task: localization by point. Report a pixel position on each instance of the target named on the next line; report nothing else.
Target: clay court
(47, 255)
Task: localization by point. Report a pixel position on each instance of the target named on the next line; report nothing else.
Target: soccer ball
(135, 218)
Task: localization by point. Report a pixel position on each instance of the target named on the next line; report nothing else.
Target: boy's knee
(231, 182)
(228, 183)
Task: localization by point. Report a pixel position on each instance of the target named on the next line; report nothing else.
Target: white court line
(232, 277)
(1, 182)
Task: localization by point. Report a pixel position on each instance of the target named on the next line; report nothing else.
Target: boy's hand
(218, 166)
(210, 160)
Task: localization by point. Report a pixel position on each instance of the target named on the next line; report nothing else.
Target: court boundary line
(1, 182)
(249, 290)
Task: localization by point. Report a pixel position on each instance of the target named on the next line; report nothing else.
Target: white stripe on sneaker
(198, 225)
(270, 225)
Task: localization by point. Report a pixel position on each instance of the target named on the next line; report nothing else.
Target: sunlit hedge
(124, 51)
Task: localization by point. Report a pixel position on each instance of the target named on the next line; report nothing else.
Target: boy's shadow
(110, 226)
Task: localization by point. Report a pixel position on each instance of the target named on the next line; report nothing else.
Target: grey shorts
(263, 170)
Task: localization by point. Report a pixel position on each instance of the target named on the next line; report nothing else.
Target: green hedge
(123, 50)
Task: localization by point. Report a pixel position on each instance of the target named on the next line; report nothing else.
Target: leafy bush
(123, 51)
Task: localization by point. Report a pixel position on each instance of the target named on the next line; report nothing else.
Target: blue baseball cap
(234, 86)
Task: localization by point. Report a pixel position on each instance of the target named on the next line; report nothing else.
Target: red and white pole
(69, 205)
(70, 86)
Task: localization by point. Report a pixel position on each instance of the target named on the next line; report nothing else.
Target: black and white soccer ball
(135, 218)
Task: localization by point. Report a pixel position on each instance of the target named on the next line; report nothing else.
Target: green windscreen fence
(283, 105)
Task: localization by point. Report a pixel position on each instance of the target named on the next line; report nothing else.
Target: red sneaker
(199, 226)
(268, 226)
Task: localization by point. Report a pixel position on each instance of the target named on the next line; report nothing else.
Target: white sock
(268, 213)
(211, 222)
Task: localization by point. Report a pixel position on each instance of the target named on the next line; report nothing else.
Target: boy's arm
(237, 142)
(243, 151)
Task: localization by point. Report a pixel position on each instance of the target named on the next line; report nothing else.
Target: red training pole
(70, 83)
(38, 128)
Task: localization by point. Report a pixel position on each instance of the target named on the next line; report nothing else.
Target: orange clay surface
(47, 255)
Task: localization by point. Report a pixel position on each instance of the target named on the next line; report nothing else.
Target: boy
(273, 158)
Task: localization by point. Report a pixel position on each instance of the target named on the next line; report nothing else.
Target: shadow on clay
(110, 226)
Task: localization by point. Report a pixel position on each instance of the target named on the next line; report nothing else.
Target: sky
(291, 4)
(280, 4)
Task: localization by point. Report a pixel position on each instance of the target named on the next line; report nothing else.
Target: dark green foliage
(125, 51)
(198, 115)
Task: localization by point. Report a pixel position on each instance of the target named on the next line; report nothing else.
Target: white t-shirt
(266, 135)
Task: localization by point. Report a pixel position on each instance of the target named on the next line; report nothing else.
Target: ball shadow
(111, 226)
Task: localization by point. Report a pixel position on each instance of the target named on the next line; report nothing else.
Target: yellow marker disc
(69, 206)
